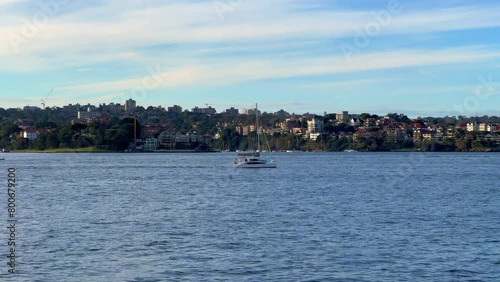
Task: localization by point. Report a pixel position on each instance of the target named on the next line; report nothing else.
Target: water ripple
(318, 217)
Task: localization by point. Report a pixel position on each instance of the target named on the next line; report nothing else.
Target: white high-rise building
(315, 125)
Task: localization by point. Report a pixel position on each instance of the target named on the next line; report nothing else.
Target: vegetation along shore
(115, 127)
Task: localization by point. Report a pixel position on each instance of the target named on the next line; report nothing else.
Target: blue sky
(415, 57)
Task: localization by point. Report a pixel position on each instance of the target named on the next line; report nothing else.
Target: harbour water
(194, 217)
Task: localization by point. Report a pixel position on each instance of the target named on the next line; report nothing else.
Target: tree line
(114, 135)
(117, 133)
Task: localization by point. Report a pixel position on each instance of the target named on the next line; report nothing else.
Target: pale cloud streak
(235, 71)
(345, 84)
(121, 25)
(7, 2)
(160, 80)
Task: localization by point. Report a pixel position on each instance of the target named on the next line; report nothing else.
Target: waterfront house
(472, 126)
(420, 134)
(461, 127)
(355, 122)
(32, 134)
(150, 144)
(314, 135)
(484, 127)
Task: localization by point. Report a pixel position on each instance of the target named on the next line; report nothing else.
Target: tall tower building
(130, 105)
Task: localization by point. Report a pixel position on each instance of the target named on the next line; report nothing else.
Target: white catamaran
(252, 159)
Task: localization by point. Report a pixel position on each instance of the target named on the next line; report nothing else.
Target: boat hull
(244, 165)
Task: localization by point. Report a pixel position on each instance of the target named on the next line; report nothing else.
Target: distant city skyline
(231, 108)
(419, 58)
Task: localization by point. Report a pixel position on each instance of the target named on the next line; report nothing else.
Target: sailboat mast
(257, 127)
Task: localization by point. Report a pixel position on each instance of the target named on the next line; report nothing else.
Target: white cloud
(122, 25)
(244, 69)
(7, 2)
(150, 81)
(345, 84)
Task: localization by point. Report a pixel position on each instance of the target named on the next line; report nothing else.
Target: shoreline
(204, 152)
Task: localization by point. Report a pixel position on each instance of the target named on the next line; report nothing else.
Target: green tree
(373, 145)
(477, 146)
(7, 128)
(44, 125)
(21, 144)
(39, 142)
(424, 146)
(51, 140)
(364, 116)
(4, 142)
(463, 145)
(120, 138)
(83, 142)
(65, 135)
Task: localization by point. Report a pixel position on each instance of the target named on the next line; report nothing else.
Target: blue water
(317, 217)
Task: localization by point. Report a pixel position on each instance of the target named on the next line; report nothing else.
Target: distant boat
(252, 159)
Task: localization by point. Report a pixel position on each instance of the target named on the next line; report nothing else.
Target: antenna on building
(43, 100)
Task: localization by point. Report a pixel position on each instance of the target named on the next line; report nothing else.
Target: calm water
(193, 217)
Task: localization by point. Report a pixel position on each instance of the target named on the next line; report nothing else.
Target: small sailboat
(252, 159)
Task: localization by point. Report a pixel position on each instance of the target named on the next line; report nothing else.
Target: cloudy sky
(414, 57)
